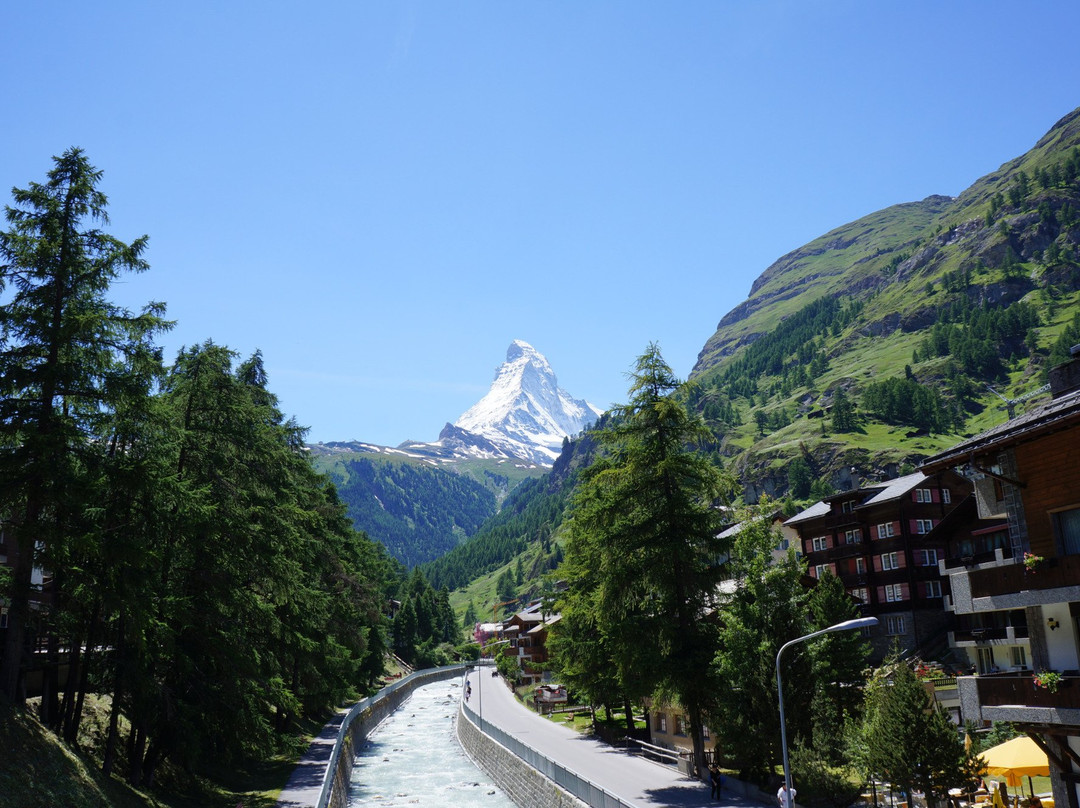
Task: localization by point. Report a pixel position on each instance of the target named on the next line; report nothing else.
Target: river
(414, 758)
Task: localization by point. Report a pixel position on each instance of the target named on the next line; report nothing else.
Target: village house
(1029, 469)
(885, 541)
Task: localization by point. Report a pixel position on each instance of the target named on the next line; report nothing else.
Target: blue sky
(381, 196)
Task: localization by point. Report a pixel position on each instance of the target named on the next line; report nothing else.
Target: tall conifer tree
(646, 520)
(65, 351)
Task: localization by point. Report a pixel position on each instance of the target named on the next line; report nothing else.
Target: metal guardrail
(567, 779)
(409, 681)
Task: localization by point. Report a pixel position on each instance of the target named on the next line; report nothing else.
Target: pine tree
(646, 514)
(906, 739)
(66, 362)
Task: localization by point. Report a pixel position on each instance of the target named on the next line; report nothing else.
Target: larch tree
(65, 354)
(646, 520)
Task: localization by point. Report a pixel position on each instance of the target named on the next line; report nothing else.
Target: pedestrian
(717, 781)
(784, 798)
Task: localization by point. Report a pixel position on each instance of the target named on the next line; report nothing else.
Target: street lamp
(847, 625)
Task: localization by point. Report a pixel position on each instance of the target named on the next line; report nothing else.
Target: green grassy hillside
(954, 298)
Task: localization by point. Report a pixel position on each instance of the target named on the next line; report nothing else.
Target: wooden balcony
(1018, 689)
(1053, 573)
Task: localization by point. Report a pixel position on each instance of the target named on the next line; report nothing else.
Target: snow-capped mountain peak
(525, 412)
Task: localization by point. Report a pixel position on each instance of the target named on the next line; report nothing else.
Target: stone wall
(527, 787)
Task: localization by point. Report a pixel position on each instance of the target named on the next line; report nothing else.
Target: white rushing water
(413, 758)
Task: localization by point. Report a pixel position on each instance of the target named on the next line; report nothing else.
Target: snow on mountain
(526, 413)
(524, 416)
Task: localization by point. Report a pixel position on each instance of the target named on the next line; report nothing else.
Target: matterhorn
(525, 413)
(525, 416)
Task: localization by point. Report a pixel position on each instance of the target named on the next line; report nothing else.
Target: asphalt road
(633, 779)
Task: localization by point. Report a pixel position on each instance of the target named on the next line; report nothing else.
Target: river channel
(414, 758)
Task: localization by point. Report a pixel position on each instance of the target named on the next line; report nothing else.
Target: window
(893, 593)
(923, 495)
(820, 543)
(890, 561)
(933, 589)
(894, 625)
(862, 593)
(848, 506)
(661, 722)
(1067, 524)
(926, 558)
(853, 536)
(885, 530)
(705, 733)
(924, 525)
(680, 725)
(820, 570)
(860, 566)
(946, 496)
(1019, 656)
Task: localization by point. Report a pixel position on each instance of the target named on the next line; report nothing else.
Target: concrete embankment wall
(526, 786)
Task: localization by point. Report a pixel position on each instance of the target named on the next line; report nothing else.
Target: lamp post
(847, 625)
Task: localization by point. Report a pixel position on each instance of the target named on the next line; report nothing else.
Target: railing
(981, 634)
(973, 559)
(567, 779)
(662, 754)
(1019, 689)
(1053, 573)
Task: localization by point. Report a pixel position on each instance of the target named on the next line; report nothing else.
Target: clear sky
(381, 196)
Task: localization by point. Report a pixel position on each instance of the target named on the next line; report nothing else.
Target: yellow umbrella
(1014, 759)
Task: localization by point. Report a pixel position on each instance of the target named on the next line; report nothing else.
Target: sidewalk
(632, 779)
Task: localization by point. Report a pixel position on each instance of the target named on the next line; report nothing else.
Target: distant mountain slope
(418, 513)
(906, 317)
(422, 499)
(528, 523)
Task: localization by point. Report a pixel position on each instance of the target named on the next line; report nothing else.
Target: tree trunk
(136, 750)
(629, 718)
(50, 684)
(71, 686)
(71, 728)
(21, 559)
(112, 737)
(698, 737)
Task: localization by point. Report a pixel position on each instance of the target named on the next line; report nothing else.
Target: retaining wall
(526, 786)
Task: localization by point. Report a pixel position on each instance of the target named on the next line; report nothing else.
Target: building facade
(885, 542)
(1027, 578)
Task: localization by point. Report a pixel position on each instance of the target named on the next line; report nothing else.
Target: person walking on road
(717, 781)
(784, 798)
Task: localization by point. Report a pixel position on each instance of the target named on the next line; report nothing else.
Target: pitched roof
(894, 489)
(816, 510)
(1058, 413)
